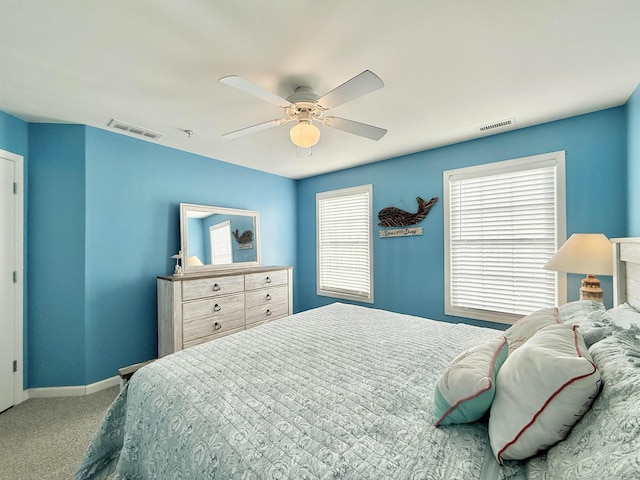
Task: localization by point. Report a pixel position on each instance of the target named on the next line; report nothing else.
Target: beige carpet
(45, 438)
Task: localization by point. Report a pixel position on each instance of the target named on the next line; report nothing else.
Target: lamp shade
(587, 253)
(194, 261)
(304, 134)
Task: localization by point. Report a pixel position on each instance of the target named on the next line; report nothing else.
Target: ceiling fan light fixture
(304, 134)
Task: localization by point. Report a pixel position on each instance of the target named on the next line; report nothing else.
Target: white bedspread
(340, 391)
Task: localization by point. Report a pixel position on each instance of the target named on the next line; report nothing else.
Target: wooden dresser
(196, 308)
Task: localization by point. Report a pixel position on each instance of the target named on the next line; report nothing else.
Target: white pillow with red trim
(543, 388)
(525, 328)
(465, 390)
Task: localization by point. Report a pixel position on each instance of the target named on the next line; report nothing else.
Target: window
(503, 221)
(220, 238)
(344, 243)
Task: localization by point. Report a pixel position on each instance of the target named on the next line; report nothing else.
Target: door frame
(20, 394)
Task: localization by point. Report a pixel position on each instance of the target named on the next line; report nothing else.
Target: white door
(8, 307)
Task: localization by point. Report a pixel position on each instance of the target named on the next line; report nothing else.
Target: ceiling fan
(305, 107)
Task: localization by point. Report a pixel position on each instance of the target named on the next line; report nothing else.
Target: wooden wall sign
(401, 232)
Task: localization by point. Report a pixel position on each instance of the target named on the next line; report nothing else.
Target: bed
(344, 391)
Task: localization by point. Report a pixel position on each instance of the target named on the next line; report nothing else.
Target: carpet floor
(45, 438)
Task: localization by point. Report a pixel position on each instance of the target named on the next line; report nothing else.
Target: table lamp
(194, 261)
(588, 253)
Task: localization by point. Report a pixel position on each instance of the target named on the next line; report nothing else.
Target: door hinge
(15, 366)
(15, 188)
(15, 277)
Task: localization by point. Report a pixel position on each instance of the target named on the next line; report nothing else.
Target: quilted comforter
(340, 391)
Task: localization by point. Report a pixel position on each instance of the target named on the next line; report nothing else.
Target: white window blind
(344, 243)
(503, 227)
(220, 236)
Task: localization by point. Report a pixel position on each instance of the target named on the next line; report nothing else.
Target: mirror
(214, 238)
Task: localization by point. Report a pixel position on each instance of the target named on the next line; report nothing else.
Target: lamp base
(590, 289)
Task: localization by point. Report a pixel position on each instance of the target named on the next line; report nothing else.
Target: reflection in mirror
(218, 238)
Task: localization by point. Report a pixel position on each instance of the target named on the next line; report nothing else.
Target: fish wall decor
(246, 237)
(395, 217)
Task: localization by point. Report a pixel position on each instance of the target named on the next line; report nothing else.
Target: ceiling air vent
(494, 125)
(127, 127)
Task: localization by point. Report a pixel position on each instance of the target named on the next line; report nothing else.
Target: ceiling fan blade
(360, 85)
(255, 128)
(357, 128)
(255, 90)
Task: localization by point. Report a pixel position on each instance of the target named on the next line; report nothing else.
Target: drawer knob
(268, 313)
(216, 308)
(268, 280)
(268, 297)
(215, 287)
(217, 326)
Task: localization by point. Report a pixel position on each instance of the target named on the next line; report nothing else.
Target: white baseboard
(73, 391)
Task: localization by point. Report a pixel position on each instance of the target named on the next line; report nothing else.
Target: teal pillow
(465, 390)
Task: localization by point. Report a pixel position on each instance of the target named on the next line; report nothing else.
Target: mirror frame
(185, 208)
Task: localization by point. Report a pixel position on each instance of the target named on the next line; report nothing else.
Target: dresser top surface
(220, 273)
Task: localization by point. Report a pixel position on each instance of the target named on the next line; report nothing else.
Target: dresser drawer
(266, 296)
(208, 317)
(211, 287)
(253, 281)
(208, 338)
(267, 312)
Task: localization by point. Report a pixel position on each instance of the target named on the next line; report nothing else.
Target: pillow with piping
(466, 388)
(542, 390)
(525, 328)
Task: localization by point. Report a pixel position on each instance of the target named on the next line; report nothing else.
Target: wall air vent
(127, 127)
(501, 124)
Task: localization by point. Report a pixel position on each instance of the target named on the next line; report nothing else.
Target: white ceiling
(448, 67)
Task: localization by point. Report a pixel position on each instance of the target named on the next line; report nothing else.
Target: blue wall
(633, 133)
(102, 221)
(196, 240)
(103, 224)
(14, 135)
(56, 255)
(409, 271)
(134, 189)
